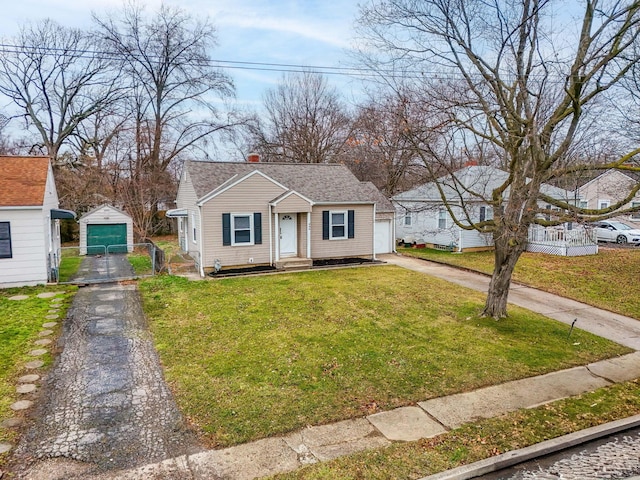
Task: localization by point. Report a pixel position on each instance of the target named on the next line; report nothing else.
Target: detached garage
(105, 229)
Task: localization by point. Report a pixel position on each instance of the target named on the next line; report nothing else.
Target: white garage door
(382, 237)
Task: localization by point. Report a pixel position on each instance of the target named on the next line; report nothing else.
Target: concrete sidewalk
(430, 417)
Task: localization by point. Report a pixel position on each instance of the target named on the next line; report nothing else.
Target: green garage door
(99, 237)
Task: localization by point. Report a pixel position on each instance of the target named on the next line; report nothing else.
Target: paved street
(616, 457)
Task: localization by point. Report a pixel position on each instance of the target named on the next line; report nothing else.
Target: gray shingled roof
(321, 183)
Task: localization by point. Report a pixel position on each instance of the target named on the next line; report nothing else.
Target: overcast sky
(300, 32)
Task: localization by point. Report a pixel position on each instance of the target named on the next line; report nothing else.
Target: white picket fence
(562, 241)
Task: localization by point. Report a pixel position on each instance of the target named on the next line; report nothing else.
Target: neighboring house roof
(475, 182)
(586, 179)
(319, 182)
(23, 181)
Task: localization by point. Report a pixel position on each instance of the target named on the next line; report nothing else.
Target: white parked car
(610, 231)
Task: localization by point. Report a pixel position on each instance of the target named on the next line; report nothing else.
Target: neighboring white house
(105, 229)
(422, 218)
(29, 222)
(608, 188)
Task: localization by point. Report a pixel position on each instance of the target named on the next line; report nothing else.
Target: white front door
(288, 237)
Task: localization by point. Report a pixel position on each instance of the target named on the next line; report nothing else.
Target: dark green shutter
(226, 229)
(351, 223)
(257, 228)
(5, 240)
(325, 224)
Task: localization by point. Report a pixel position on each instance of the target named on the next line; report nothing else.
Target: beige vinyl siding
(302, 234)
(360, 245)
(293, 203)
(187, 199)
(611, 185)
(249, 196)
(28, 265)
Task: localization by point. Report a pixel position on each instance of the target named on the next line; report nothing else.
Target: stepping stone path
(21, 405)
(38, 352)
(12, 422)
(46, 295)
(34, 364)
(26, 383)
(26, 388)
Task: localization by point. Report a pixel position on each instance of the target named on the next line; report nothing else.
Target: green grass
(257, 356)
(607, 280)
(480, 440)
(141, 263)
(68, 268)
(21, 322)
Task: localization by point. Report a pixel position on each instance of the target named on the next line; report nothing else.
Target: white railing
(562, 236)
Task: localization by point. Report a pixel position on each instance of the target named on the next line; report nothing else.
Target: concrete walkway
(426, 419)
(618, 328)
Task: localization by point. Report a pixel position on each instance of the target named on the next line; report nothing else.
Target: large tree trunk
(509, 245)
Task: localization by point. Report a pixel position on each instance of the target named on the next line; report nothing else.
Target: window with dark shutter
(226, 229)
(325, 224)
(351, 223)
(338, 224)
(5, 240)
(257, 228)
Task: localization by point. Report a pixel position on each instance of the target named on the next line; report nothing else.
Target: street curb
(514, 457)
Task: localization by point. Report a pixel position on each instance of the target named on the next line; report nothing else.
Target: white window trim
(408, 219)
(194, 229)
(345, 224)
(233, 230)
(442, 216)
(583, 204)
(601, 201)
(635, 215)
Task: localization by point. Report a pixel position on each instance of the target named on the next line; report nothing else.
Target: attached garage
(383, 236)
(105, 229)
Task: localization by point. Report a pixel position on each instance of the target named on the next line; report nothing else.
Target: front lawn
(19, 327)
(258, 356)
(607, 280)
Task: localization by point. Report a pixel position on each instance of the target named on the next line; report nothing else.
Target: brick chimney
(253, 158)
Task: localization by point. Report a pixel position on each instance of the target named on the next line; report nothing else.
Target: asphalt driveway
(105, 402)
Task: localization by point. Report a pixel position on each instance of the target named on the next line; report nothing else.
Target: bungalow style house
(236, 214)
(608, 188)
(423, 219)
(29, 222)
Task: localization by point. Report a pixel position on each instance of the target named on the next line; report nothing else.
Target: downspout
(201, 245)
(373, 237)
(393, 233)
(460, 230)
(270, 235)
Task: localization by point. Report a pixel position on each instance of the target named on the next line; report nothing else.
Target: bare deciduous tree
(173, 87)
(57, 80)
(305, 121)
(516, 83)
(378, 149)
